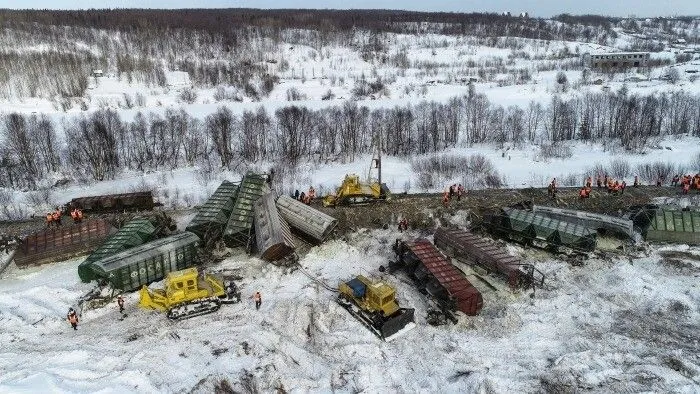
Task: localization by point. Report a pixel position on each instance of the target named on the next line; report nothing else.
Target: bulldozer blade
(399, 323)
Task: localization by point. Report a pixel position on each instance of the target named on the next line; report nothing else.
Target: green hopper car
(211, 218)
(134, 233)
(131, 269)
(674, 226)
(530, 228)
(240, 225)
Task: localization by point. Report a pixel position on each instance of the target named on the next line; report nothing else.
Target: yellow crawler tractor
(352, 191)
(188, 294)
(374, 305)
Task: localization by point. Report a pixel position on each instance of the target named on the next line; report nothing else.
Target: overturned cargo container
(140, 201)
(434, 273)
(480, 251)
(240, 224)
(306, 219)
(591, 220)
(62, 243)
(211, 218)
(535, 229)
(132, 234)
(274, 239)
(131, 269)
(677, 226)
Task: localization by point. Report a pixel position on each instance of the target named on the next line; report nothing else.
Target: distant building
(524, 15)
(617, 60)
(97, 73)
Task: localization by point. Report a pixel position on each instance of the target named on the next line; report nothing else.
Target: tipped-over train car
(433, 272)
(239, 228)
(211, 218)
(538, 230)
(476, 250)
(305, 219)
(62, 243)
(139, 201)
(274, 239)
(665, 225)
(134, 233)
(600, 222)
(131, 269)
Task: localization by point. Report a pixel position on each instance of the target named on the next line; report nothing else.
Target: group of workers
(687, 182)
(55, 218)
(452, 191)
(306, 198)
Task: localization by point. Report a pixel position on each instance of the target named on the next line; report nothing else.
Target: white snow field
(611, 325)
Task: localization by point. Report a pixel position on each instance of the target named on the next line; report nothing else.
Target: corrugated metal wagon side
(240, 224)
(588, 219)
(131, 269)
(480, 251)
(675, 226)
(274, 239)
(306, 219)
(62, 243)
(211, 218)
(435, 273)
(134, 233)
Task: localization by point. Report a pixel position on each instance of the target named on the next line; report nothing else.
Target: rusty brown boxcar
(139, 201)
(480, 251)
(62, 243)
(435, 274)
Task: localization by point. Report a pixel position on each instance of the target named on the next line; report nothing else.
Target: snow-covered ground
(618, 325)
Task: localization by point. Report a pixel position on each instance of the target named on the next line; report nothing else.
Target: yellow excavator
(353, 191)
(188, 293)
(374, 305)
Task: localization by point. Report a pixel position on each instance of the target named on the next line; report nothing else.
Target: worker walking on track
(120, 302)
(258, 300)
(72, 318)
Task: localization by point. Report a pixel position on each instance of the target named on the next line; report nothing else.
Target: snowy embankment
(611, 325)
(518, 167)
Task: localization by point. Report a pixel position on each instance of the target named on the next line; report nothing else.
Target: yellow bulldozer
(374, 305)
(188, 293)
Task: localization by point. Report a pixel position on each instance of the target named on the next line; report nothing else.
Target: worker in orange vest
(583, 193)
(686, 188)
(312, 193)
(49, 219)
(446, 198)
(120, 302)
(56, 217)
(79, 213)
(258, 299)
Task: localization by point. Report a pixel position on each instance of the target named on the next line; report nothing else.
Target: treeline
(100, 145)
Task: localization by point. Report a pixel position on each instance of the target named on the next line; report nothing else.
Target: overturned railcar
(134, 233)
(610, 224)
(239, 227)
(309, 221)
(433, 272)
(140, 201)
(535, 229)
(131, 269)
(274, 239)
(676, 226)
(62, 243)
(212, 216)
(482, 252)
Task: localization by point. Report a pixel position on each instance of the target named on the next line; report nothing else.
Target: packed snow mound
(610, 325)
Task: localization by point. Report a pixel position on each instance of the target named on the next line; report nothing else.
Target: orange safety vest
(256, 297)
(80, 214)
(55, 216)
(49, 218)
(582, 193)
(73, 318)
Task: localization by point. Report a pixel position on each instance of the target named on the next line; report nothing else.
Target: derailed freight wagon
(600, 222)
(538, 230)
(274, 239)
(480, 251)
(305, 219)
(62, 243)
(134, 233)
(677, 226)
(131, 269)
(211, 218)
(433, 272)
(139, 201)
(239, 227)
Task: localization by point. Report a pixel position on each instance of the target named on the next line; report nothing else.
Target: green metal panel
(134, 233)
(557, 232)
(240, 224)
(135, 267)
(675, 226)
(211, 218)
